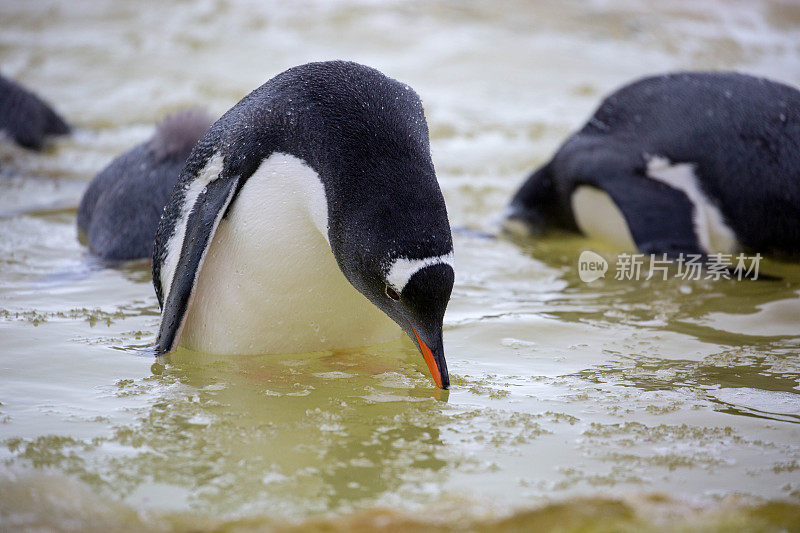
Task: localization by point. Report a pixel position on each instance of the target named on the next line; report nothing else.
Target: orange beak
(429, 359)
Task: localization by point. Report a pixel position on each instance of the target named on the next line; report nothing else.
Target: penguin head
(412, 292)
(419, 309)
(534, 209)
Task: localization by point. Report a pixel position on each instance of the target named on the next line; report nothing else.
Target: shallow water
(618, 405)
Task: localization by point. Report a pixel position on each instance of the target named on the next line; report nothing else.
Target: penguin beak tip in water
(434, 357)
(423, 299)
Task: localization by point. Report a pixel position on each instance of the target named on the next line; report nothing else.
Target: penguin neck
(270, 282)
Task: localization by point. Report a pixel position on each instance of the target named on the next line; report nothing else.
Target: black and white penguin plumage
(26, 118)
(309, 217)
(120, 210)
(680, 163)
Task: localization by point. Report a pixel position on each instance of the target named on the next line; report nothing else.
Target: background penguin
(312, 197)
(25, 117)
(685, 162)
(120, 210)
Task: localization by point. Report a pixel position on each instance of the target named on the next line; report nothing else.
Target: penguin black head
(420, 308)
(412, 292)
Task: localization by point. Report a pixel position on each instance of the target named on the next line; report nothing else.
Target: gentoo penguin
(693, 163)
(25, 117)
(307, 218)
(121, 208)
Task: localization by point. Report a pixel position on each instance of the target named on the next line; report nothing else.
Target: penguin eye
(391, 293)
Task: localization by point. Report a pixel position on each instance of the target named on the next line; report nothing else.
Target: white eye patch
(402, 269)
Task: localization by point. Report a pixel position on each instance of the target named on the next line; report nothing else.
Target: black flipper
(202, 223)
(659, 217)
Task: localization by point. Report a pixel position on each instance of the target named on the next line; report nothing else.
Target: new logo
(591, 266)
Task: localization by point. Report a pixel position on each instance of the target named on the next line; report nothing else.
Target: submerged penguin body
(690, 162)
(120, 210)
(26, 118)
(308, 217)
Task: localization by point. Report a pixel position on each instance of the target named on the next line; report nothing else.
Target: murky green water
(619, 405)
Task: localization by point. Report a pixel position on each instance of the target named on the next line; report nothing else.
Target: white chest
(597, 216)
(270, 283)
